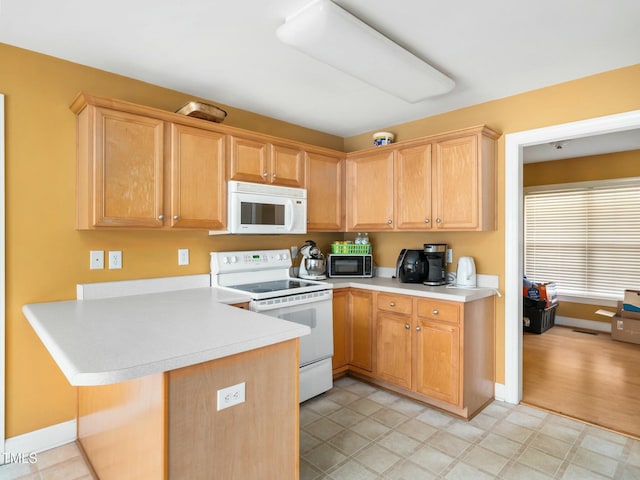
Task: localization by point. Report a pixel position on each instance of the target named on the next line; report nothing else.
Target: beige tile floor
(62, 463)
(358, 432)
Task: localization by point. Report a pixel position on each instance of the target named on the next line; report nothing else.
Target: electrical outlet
(96, 259)
(183, 256)
(449, 255)
(115, 260)
(294, 252)
(230, 396)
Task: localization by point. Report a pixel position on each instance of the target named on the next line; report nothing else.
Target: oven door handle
(266, 305)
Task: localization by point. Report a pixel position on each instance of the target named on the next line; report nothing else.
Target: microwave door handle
(289, 205)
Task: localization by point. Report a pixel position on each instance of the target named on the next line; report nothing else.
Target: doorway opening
(514, 145)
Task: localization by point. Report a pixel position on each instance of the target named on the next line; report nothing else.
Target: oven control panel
(252, 260)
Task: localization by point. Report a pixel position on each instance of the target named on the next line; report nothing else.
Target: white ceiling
(583, 147)
(228, 52)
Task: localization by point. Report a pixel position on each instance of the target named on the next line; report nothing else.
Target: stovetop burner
(271, 286)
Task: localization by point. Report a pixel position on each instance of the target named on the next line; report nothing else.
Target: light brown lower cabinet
(436, 351)
(394, 338)
(360, 330)
(341, 309)
(167, 426)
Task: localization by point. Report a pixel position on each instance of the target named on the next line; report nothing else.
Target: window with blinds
(585, 237)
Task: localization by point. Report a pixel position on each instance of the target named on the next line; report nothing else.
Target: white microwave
(254, 208)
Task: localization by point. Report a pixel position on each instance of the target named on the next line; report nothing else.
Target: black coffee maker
(425, 266)
(410, 267)
(436, 256)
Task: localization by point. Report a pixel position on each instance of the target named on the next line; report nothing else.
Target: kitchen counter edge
(392, 285)
(111, 340)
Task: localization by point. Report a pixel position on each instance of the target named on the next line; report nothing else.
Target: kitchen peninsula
(149, 368)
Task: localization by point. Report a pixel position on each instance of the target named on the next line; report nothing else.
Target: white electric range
(265, 276)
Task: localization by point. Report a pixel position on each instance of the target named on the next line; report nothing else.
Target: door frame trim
(3, 347)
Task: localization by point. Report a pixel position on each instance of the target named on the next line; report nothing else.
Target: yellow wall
(583, 169)
(47, 257)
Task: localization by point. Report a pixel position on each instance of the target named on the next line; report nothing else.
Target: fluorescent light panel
(333, 36)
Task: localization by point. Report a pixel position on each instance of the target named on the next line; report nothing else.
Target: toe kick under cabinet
(437, 351)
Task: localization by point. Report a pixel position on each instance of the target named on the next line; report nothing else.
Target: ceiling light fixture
(333, 36)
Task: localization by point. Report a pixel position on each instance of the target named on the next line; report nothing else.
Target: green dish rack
(350, 248)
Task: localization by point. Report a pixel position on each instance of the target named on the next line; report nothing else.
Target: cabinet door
(340, 317)
(286, 166)
(248, 160)
(325, 189)
(456, 184)
(413, 188)
(128, 164)
(361, 331)
(393, 348)
(197, 177)
(370, 192)
(437, 357)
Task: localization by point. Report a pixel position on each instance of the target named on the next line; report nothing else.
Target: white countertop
(119, 331)
(393, 285)
(111, 340)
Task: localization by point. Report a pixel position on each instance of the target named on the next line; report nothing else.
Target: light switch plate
(183, 256)
(96, 259)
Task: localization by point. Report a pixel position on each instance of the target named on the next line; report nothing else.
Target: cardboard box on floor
(631, 302)
(625, 325)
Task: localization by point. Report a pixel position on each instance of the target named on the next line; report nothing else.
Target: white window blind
(586, 238)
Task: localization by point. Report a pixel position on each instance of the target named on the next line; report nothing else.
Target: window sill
(604, 302)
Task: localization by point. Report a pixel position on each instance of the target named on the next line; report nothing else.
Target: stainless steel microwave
(360, 266)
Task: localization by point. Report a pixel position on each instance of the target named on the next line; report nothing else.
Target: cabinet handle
(274, 175)
(389, 222)
(438, 220)
(265, 174)
(160, 217)
(176, 217)
(308, 221)
(435, 312)
(426, 220)
(392, 304)
(418, 329)
(407, 326)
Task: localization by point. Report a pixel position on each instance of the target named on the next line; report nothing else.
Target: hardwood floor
(586, 376)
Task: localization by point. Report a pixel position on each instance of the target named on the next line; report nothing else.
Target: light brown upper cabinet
(120, 169)
(198, 192)
(256, 160)
(324, 181)
(138, 170)
(464, 183)
(443, 182)
(413, 177)
(370, 191)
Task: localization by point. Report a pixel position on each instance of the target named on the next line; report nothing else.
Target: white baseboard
(586, 324)
(43, 439)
